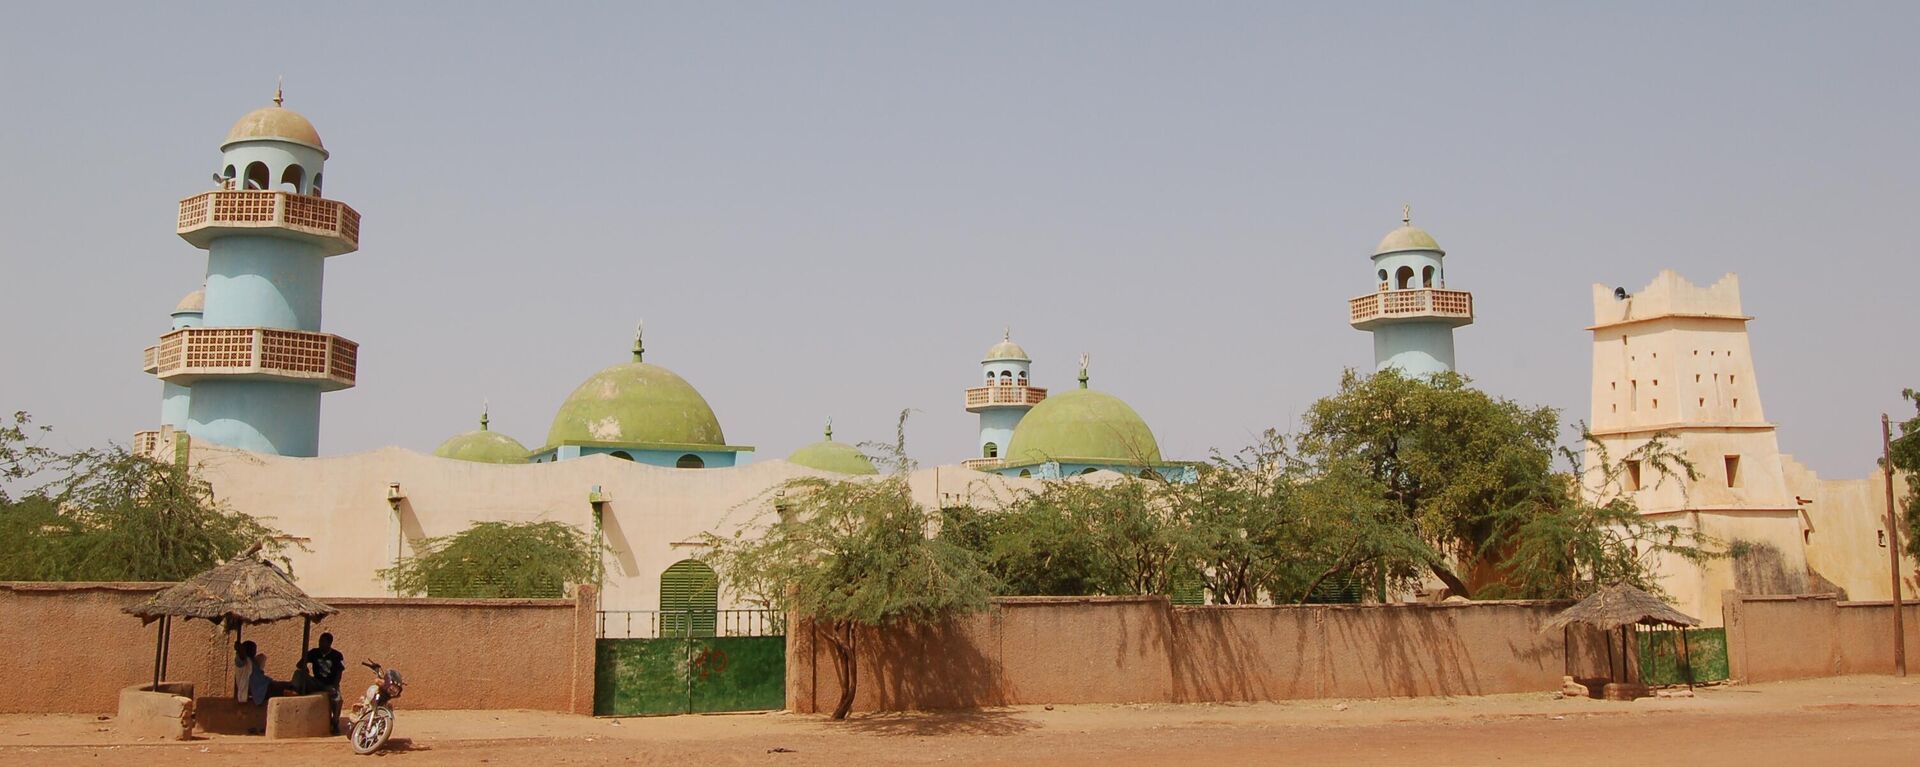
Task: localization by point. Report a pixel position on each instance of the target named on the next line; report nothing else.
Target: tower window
(257, 177)
(1403, 277)
(622, 455)
(1382, 275)
(291, 178)
(1633, 395)
(316, 184)
(1006, 377)
(1426, 277)
(1632, 477)
(990, 376)
(990, 450)
(690, 461)
(1733, 471)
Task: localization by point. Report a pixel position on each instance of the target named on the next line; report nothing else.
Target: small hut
(247, 590)
(1622, 607)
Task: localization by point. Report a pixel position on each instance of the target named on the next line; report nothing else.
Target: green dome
(838, 457)
(635, 404)
(1083, 426)
(482, 446)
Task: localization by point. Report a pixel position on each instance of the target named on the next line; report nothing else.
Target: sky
(827, 209)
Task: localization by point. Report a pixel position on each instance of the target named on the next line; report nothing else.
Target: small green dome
(635, 404)
(1407, 237)
(1083, 426)
(838, 457)
(482, 446)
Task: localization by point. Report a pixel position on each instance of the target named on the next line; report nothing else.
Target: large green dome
(635, 404)
(1083, 426)
(838, 457)
(483, 446)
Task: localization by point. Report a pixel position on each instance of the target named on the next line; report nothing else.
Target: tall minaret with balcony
(256, 362)
(1004, 399)
(1411, 313)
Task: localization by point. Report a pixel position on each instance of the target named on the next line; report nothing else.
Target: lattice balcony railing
(1421, 302)
(330, 222)
(275, 353)
(1001, 394)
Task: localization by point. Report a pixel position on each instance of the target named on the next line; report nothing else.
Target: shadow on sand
(975, 722)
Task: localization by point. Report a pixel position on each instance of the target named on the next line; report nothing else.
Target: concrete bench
(164, 711)
(299, 716)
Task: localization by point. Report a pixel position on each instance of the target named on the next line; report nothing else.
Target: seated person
(259, 686)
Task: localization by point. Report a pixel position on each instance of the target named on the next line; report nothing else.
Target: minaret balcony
(331, 224)
(267, 354)
(1451, 307)
(1003, 395)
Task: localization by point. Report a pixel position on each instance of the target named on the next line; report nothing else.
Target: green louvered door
(689, 600)
(688, 657)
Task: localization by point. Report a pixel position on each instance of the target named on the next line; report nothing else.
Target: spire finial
(1406, 214)
(829, 428)
(639, 346)
(1006, 333)
(483, 415)
(279, 88)
(1085, 358)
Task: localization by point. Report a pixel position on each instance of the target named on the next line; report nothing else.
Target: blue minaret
(257, 361)
(1411, 313)
(1004, 398)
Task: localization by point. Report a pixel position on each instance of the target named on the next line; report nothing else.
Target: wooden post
(306, 635)
(159, 639)
(166, 644)
(1893, 551)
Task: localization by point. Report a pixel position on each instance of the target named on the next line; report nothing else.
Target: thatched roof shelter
(246, 590)
(1620, 605)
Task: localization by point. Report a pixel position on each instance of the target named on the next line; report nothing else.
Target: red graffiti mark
(710, 661)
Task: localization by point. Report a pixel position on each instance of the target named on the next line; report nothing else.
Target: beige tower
(1673, 358)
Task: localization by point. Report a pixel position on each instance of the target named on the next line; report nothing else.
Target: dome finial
(1085, 358)
(639, 346)
(829, 428)
(483, 415)
(279, 86)
(1406, 214)
(1006, 333)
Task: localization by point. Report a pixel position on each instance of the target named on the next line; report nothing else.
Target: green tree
(1449, 457)
(109, 515)
(498, 560)
(1906, 459)
(852, 554)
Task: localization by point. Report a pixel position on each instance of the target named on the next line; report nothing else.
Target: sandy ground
(1844, 721)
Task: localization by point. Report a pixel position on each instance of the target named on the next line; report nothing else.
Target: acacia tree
(1449, 457)
(105, 514)
(851, 554)
(1906, 459)
(498, 560)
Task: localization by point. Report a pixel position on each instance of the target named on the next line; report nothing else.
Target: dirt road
(1846, 721)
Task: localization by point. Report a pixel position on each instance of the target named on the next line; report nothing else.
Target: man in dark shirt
(324, 665)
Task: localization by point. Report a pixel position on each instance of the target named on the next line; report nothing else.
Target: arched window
(226, 178)
(1006, 377)
(990, 450)
(689, 599)
(1426, 277)
(690, 461)
(257, 177)
(1023, 378)
(1383, 279)
(316, 184)
(1026, 474)
(990, 377)
(1086, 471)
(1403, 278)
(291, 178)
(622, 455)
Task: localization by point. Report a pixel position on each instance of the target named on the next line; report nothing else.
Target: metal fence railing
(675, 624)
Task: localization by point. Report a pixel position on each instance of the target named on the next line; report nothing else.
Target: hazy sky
(825, 209)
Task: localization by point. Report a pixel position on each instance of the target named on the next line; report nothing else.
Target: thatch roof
(247, 589)
(1614, 606)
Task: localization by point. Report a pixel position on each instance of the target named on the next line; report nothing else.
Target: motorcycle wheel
(372, 730)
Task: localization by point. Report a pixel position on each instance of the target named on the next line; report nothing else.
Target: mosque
(637, 455)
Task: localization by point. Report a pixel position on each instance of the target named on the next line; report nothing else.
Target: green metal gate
(652, 662)
(1665, 655)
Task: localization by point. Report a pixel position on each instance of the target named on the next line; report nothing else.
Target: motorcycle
(372, 720)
